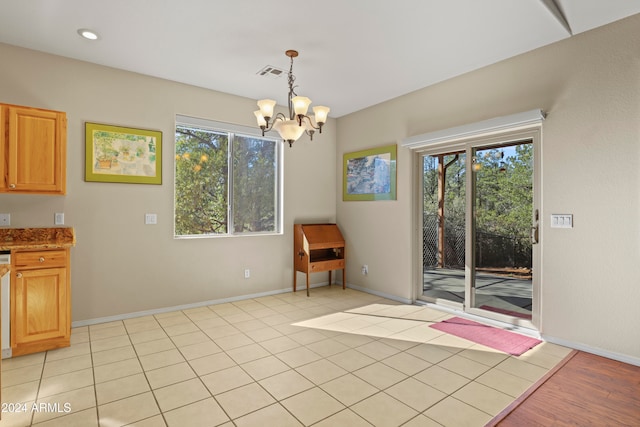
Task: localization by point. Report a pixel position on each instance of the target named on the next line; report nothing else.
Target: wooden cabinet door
(41, 306)
(36, 150)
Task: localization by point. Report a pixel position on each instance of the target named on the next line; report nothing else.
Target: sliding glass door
(480, 227)
(443, 226)
(503, 221)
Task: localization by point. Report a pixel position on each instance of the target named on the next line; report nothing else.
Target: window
(227, 180)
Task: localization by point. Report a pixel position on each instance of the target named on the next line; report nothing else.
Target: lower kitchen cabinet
(40, 301)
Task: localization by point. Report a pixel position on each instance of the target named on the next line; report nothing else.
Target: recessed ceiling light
(88, 34)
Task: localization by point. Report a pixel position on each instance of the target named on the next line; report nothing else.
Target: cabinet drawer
(41, 259)
(336, 264)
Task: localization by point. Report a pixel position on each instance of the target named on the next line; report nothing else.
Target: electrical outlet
(365, 270)
(247, 273)
(58, 218)
(5, 220)
(150, 218)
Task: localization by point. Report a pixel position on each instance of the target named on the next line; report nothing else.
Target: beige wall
(590, 87)
(119, 264)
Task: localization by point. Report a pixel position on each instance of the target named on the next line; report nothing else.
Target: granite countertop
(37, 238)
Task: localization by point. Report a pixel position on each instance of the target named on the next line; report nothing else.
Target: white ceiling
(353, 53)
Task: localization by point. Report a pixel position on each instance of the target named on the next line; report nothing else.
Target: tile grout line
(93, 374)
(198, 376)
(279, 401)
(145, 377)
(300, 344)
(44, 361)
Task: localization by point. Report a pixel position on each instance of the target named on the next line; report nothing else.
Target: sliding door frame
(531, 134)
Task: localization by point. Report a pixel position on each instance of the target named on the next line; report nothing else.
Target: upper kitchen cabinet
(33, 142)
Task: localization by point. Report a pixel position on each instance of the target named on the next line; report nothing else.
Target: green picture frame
(370, 174)
(122, 154)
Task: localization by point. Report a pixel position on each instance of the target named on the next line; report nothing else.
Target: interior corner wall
(120, 265)
(589, 85)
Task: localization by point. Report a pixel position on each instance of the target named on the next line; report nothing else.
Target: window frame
(232, 130)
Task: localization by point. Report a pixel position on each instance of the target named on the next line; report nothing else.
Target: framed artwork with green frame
(370, 174)
(122, 154)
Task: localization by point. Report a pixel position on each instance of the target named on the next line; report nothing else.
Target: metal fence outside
(492, 250)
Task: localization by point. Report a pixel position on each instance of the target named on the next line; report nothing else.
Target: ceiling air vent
(270, 71)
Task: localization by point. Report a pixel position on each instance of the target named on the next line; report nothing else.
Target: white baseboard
(535, 334)
(593, 350)
(570, 344)
(380, 294)
(124, 316)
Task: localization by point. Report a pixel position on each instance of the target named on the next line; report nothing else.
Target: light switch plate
(5, 220)
(58, 218)
(561, 221)
(150, 218)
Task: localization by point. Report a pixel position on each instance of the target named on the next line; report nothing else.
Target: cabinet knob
(19, 275)
(12, 186)
(41, 259)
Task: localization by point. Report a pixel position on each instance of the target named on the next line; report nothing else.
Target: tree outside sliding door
(503, 212)
(443, 218)
(479, 227)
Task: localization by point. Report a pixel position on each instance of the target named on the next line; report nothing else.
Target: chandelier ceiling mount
(298, 122)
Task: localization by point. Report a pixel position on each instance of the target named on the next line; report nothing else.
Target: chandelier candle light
(298, 122)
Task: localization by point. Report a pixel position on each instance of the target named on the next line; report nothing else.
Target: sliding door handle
(535, 235)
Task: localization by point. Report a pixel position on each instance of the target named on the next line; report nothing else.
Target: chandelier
(291, 128)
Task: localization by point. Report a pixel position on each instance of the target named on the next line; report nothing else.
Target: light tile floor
(336, 358)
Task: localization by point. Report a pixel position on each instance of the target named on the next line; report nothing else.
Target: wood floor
(584, 390)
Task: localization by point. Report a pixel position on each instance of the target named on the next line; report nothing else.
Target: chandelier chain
(291, 80)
